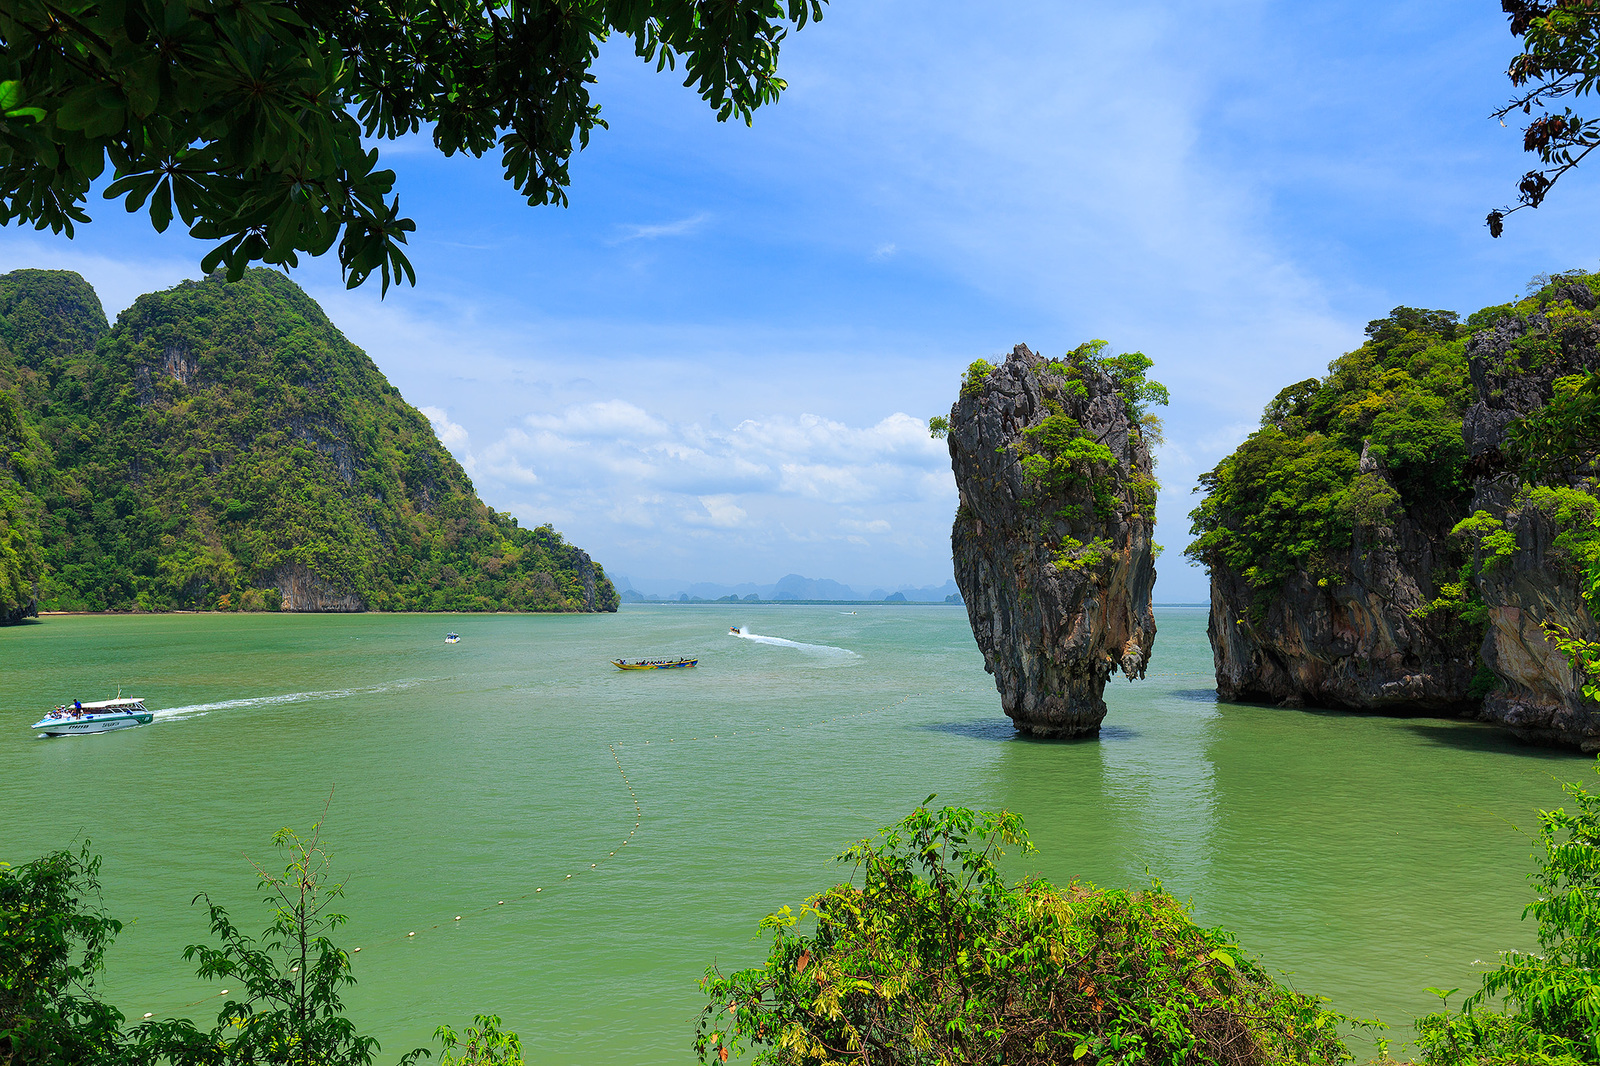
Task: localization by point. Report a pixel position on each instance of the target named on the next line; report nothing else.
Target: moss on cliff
(223, 436)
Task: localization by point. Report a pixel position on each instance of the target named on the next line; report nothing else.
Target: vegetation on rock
(1290, 498)
(1440, 486)
(935, 958)
(1052, 534)
(1058, 456)
(225, 442)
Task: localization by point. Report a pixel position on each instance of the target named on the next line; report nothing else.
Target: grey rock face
(1540, 696)
(586, 574)
(304, 590)
(17, 614)
(1356, 644)
(1057, 588)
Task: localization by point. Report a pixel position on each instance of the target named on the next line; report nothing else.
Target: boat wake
(781, 642)
(195, 710)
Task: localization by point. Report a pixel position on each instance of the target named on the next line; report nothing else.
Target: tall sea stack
(1052, 538)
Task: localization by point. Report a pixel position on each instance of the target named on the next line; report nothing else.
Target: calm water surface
(1368, 858)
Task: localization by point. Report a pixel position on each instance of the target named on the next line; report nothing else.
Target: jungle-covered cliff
(1533, 436)
(225, 447)
(1052, 538)
(1327, 532)
(1417, 529)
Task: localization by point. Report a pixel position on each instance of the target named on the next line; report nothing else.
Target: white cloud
(681, 228)
(450, 435)
(753, 491)
(722, 511)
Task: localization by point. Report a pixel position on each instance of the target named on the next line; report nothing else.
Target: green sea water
(1368, 858)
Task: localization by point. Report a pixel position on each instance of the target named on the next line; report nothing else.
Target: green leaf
(1224, 958)
(161, 207)
(10, 95)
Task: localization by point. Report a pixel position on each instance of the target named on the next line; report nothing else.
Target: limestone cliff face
(303, 590)
(1359, 641)
(10, 616)
(590, 581)
(1540, 695)
(1052, 539)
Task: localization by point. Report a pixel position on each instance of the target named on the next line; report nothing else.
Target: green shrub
(977, 373)
(53, 939)
(935, 958)
(1552, 996)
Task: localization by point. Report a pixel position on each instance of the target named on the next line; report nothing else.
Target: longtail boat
(653, 664)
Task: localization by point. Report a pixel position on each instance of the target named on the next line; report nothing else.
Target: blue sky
(715, 365)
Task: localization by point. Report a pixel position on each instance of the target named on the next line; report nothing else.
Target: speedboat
(452, 638)
(653, 664)
(120, 713)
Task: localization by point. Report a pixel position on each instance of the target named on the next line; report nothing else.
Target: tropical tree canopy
(251, 120)
(1560, 58)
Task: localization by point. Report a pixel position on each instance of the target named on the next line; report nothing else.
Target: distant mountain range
(790, 587)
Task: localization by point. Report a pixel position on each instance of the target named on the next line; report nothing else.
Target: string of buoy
(638, 821)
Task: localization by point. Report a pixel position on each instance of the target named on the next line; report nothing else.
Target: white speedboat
(452, 638)
(120, 713)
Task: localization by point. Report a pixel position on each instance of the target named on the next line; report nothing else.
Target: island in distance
(789, 589)
(224, 447)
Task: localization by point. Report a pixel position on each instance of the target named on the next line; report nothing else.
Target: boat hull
(677, 664)
(99, 723)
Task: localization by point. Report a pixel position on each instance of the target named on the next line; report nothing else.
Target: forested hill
(224, 447)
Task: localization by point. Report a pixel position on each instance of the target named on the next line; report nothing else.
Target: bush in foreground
(936, 959)
(288, 1010)
(1552, 997)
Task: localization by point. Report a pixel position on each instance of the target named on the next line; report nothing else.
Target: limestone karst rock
(1515, 366)
(1381, 543)
(1361, 640)
(1052, 538)
(1327, 533)
(225, 447)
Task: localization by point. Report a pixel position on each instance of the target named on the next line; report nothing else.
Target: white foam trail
(745, 634)
(195, 710)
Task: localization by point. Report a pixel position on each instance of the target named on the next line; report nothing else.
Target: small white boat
(120, 713)
(452, 638)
